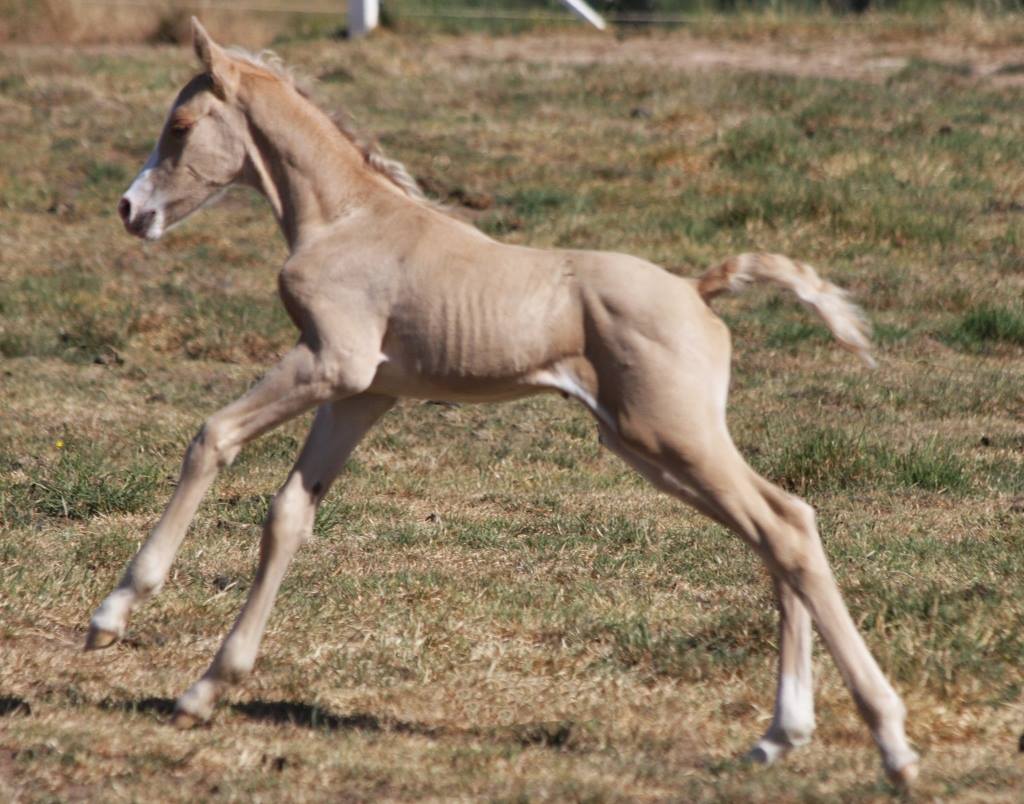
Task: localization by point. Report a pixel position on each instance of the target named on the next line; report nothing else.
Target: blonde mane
(391, 169)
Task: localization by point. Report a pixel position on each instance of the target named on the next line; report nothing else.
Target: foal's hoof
(97, 638)
(766, 752)
(904, 777)
(184, 721)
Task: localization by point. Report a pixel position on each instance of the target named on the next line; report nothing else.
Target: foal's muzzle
(135, 221)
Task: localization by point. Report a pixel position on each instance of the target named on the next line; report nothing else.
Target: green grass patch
(986, 325)
(832, 459)
(83, 482)
(63, 314)
(730, 641)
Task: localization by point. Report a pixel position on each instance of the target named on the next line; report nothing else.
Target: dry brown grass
(493, 607)
(85, 21)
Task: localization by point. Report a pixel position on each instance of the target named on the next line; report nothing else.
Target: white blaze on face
(143, 206)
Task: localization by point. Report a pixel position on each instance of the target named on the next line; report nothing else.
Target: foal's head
(201, 149)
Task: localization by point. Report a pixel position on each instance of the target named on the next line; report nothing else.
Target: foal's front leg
(336, 431)
(294, 385)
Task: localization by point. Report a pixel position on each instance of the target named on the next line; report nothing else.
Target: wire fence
(200, 6)
(621, 12)
(455, 13)
(526, 13)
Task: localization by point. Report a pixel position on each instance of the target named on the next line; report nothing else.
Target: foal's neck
(310, 173)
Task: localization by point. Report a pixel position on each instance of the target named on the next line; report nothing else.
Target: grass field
(494, 607)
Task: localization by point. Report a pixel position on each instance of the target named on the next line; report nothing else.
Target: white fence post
(363, 17)
(585, 12)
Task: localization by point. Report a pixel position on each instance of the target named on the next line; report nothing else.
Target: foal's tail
(842, 317)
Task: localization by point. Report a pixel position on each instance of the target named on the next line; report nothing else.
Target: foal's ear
(216, 62)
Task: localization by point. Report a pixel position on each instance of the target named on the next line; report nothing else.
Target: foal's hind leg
(337, 430)
(291, 387)
(709, 474)
(793, 720)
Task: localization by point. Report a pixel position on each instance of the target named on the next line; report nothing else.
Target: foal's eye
(180, 128)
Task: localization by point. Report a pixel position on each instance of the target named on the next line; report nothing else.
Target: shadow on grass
(555, 734)
(156, 706)
(294, 713)
(12, 705)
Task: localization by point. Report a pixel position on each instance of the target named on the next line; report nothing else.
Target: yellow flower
(59, 443)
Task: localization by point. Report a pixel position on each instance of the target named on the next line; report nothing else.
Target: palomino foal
(393, 297)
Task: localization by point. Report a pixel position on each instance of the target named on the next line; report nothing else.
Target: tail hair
(843, 318)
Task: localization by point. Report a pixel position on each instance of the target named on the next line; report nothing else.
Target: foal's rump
(656, 349)
(655, 352)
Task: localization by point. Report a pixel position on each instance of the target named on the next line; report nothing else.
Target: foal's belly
(397, 377)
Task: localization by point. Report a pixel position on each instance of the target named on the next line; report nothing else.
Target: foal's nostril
(143, 221)
(124, 209)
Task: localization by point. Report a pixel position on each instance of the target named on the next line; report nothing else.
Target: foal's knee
(289, 521)
(793, 543)
(212, 447)
(801, 516)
